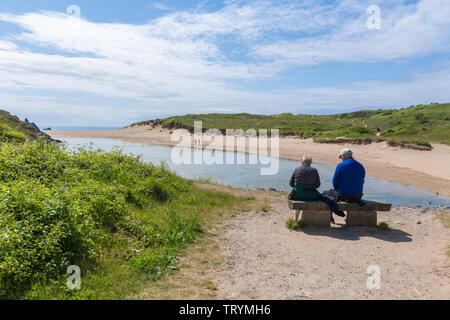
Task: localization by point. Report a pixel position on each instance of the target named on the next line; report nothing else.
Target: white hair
(306, 159)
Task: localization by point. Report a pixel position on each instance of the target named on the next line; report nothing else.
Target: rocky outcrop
(29, 129)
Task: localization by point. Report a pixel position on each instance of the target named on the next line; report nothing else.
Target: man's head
(306, 159)
(346, 154)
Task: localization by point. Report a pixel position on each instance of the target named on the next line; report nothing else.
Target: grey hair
(306, 159)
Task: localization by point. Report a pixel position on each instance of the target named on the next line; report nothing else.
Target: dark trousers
(332, 197)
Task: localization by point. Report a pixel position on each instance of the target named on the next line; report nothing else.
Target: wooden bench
(317, 213)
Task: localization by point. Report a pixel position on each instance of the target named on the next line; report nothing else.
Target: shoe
(340, 213)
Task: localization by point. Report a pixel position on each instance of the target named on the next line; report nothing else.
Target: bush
(43, 230)
(359, 130)
(9, 135)
(60, 207)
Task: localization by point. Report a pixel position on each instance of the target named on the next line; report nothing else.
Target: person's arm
(316, 179)
(364, 173)
(292, 181)
(336, 177)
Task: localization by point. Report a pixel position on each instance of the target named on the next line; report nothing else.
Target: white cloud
(160, 6)
(178, 61)
(407, 31)
(7, 45)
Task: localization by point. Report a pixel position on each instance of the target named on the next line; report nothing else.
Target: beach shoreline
(426, 170)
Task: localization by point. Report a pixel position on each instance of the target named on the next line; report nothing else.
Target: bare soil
(264, 260)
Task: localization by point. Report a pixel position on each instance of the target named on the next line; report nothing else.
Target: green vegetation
(10, 135)
(444, 217)
(12, 129)
(123, 222)
(417, 125)
(383, 226)
(207, 180)
(291, 224)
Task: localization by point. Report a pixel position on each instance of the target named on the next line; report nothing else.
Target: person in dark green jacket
(305, 180)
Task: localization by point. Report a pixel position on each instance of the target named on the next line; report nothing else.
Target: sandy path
(266, 261)
(427, 170)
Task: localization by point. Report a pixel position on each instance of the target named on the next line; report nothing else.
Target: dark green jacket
(305, 192)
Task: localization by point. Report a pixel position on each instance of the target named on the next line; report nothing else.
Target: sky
(111, 63)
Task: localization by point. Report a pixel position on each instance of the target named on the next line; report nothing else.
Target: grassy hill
(12, 129)
(417, 124)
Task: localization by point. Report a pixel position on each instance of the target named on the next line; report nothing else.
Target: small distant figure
(305, 180)
(378, 132)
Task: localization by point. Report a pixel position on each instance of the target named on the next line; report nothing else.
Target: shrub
(7, 134)
(60, 207)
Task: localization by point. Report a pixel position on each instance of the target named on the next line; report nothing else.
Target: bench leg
(296, 214)
(316, 218)
(361, 218)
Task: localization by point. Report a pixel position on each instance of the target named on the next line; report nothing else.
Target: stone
(317, 213)
(362, 218)
(316, 218)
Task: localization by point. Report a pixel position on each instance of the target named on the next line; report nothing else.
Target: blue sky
(124, 61)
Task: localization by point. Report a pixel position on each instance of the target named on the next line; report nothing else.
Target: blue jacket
(349, 177)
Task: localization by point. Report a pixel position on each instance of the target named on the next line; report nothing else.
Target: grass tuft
(291, 224)
(444, 217)
(383, 226)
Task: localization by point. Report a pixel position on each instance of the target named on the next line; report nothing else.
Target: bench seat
(318, 205)
(318, 213)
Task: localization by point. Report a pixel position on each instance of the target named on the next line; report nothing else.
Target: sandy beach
(427, 170)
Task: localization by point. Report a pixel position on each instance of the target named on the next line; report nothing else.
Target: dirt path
(264, 260)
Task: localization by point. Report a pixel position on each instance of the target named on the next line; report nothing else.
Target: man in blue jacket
(348, 179)
(348, 182)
